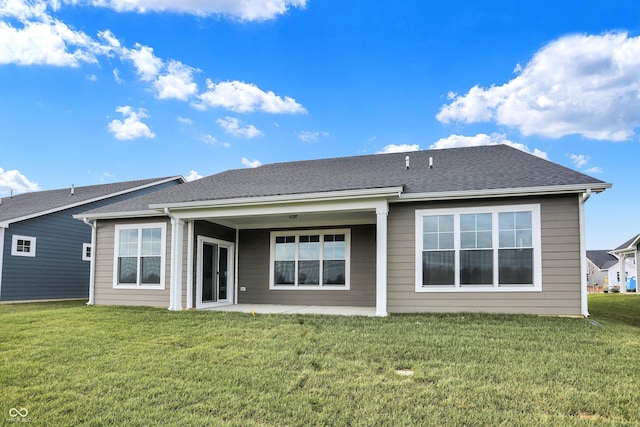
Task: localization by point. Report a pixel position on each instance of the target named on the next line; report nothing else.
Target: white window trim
(319, 287)
(163, 250)
(86, 246)
(494, 210)
(14, 246)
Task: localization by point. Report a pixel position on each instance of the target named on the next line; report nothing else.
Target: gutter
(584, 303)
(92, 262)
(502, 192)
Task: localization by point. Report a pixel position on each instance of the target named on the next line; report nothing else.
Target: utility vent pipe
(72, 190)
(406, 163)
(430, 162)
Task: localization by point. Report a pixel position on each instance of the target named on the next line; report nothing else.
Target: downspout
(175, 281)
(92, 261)
(584, 304)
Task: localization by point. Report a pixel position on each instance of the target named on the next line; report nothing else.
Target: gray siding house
(481, 229)
(44, 252)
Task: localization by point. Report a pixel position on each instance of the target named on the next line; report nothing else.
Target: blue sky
(97, 91)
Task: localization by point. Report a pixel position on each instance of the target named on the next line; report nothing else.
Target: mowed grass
(70, 364)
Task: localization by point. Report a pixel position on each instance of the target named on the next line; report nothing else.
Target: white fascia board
(503, 192)
(5, 224)
(286, 198)
(113, 215)
(298, 207)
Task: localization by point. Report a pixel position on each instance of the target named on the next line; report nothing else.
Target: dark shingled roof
(456, 169)
(602, 259)
(628, 243)
(28, 204)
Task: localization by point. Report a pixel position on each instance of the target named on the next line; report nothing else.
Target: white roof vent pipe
(72, 190)
(406, 163)
(430, 162)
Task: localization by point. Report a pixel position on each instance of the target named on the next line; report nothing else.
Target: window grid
(140, 258)
(23, 246)
(478, 256)
(310, 260)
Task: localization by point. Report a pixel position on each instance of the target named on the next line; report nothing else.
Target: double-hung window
(493, 248)
(139, 256)
(317, 259)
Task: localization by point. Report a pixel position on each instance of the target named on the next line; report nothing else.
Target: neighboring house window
(316, 259)
(23, 246)
(139, 256)
(494, 248)
(86, 251)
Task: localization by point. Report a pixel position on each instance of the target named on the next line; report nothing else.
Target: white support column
(381, 260)
(175, 284)
(92, 265)
(236, 270)
(190, 240)
(623, 273)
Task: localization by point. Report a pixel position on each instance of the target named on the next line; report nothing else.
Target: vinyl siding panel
(561, 277)
(105, 294)
(57, 271)
(254, 273)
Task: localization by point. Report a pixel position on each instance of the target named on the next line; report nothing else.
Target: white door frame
(230, 276)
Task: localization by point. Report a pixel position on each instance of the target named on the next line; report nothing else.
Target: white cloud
(579, 160)
(245, 10)
(208, 139)
(453, 141)
(184, 120)
(398, 148)
(595, 169)
(193, 175)
(250, 163)
(244, 97)
(579, 84)
(177, 83)
(311, 135)
(46, 43)
(132, 126)
(116, 76)
(147, 65)
(231, 125)
(14, 180)
(92, 78)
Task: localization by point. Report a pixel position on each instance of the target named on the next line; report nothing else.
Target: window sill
(309, 288)
(141, 287)
(477, 289)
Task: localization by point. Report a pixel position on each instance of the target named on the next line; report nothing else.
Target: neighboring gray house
(44, 252)
(481, 229)
(598, 264)
(628, 255)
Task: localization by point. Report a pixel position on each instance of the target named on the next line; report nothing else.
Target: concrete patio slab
(297, 309)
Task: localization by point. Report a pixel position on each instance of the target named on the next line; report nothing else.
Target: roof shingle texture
(456, 169)
(602, 259)
(27, 204)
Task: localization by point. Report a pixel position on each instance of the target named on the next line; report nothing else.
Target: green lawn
(69, 364)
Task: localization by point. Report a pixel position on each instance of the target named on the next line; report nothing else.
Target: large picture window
(316, 259)
(478, 249)
(139, 256)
